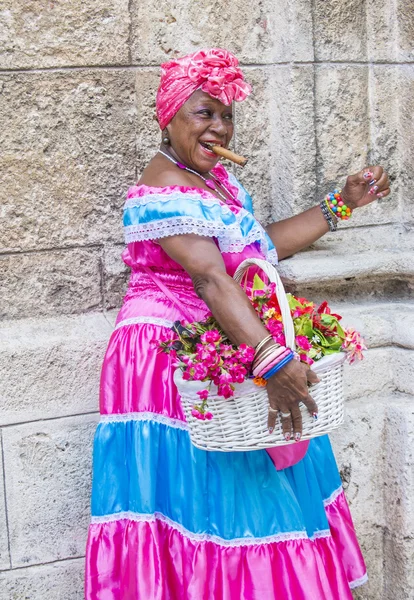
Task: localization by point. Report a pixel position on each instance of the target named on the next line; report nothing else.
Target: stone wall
(333, 91)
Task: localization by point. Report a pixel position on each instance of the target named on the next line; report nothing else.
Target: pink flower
(306, 359)
(226, 390)
(187, 376)
(245, 353)
(210, 336)
(208, 416)
(238, 373)
(203, 394)
(303, 342)
(225, 378)
(200, 371)
(226, 350)
(354, 345)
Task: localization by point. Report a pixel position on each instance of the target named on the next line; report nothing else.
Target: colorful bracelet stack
(268, 361)
(333, 208)
(337, 206)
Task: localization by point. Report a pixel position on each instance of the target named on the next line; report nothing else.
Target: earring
(166, 139)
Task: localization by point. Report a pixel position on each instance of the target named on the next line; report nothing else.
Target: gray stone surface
(63, 33)
(390, 30)
(50, 367)
(48, 477)
(115, 277)
(59, 581)
(275, 130)
(148, 135)
(265, 32)
(68, 156)
(46, 283)
(340, 30)
(4, 541)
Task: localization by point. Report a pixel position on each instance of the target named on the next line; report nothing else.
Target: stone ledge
(319, 268)
(56, 581)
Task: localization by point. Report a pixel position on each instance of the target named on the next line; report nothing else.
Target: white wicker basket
(240, 423)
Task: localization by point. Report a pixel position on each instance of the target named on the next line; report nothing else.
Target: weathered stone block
(59, 581)
(48, 477)
(4, 541)
(115, 276)
(264, 32)
(406, 140)
(340, 30)
(390, 30)
(342, 122)
(68, 156)
(148, 134)
(274, 128)
(61, 361)
(53, 34)
(50, 283)
(371, 376)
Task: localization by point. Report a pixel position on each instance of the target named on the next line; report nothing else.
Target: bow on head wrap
(214, 71)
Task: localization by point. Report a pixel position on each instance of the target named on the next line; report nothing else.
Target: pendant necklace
(209, 182)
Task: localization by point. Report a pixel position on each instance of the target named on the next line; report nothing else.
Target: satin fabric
(172, 521)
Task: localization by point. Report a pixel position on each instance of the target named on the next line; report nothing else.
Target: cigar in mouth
(236, 158)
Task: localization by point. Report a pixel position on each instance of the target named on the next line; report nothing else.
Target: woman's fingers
(297, 423)
(271, 418)
(311, 405)
(286, 420)
(380, 184)
(312, 377)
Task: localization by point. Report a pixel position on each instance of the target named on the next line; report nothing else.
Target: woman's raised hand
(365, 187)
(286, 389)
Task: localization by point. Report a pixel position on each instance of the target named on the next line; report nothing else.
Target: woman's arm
(202, 260)
(294, 234)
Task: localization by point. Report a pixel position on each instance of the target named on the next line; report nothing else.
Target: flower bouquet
(214, 376)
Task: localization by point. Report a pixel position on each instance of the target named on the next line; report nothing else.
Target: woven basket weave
(240, 423)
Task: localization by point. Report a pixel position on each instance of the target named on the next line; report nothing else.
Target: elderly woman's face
(202, 119)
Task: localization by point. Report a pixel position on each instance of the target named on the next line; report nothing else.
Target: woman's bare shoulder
(159, 174)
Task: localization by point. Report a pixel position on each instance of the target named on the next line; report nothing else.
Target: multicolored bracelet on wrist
(333, 208)
(337, 206)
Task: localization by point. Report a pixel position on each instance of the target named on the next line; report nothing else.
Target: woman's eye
(228, 117)
(205, 111)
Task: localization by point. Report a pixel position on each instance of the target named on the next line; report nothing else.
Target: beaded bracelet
(330, 219)
(337, 206)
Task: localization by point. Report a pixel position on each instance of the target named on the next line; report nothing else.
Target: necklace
(211, 183)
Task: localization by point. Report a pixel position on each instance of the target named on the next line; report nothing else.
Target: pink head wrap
(214, 71)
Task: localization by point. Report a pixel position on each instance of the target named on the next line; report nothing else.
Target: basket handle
(273, 276)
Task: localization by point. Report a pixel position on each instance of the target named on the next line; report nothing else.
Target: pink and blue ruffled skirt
(170, 521)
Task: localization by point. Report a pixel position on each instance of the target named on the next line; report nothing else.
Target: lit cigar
(236, 158)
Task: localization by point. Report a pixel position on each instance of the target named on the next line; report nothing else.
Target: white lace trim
(229, 237)
(322, 533)
(144, 416)
(333, 496)
(148, 320)
(358, 582)
(135, 202)
(202, 537)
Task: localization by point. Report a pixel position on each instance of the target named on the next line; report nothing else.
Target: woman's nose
(219, 126)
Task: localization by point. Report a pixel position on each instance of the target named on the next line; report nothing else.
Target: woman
(169, 520)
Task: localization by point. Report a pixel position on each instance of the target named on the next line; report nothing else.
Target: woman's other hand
(366, 186)
(286, 389)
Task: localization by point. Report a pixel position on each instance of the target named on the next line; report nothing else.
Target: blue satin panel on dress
(154, 210)
(147, 467)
